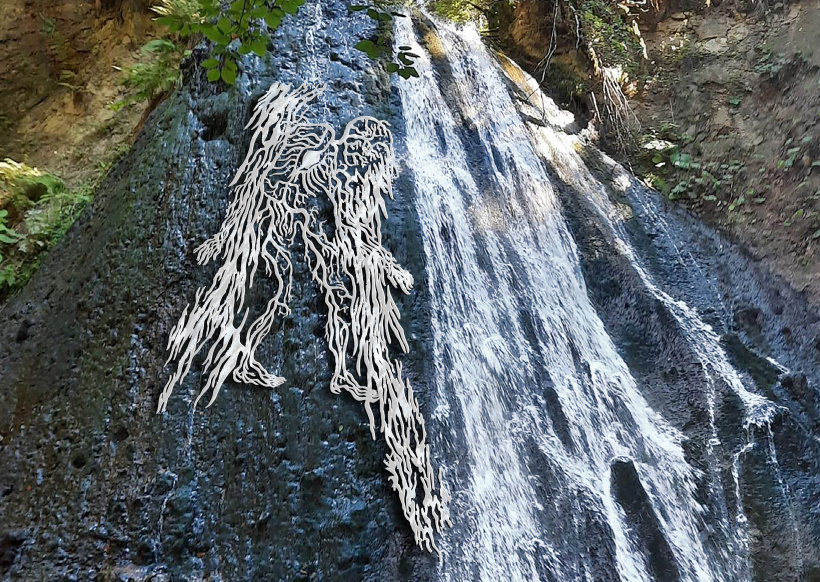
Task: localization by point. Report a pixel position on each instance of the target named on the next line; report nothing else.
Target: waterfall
(550, 447)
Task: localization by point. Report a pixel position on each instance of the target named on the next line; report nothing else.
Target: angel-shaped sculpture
(289, 162)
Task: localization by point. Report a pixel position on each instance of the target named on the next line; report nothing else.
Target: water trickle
(535, 408)
(317, 72)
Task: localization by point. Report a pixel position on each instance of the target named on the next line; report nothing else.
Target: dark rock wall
(283, 485)
(757, 316)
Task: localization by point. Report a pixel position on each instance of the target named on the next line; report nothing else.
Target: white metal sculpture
(291, 160)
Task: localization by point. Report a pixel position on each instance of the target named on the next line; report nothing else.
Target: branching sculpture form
(289, 162)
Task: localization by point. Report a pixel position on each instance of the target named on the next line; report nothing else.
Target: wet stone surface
(263, 485)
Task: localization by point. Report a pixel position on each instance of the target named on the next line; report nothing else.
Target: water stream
(535, 408)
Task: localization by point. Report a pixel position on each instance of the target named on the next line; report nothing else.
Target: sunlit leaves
(273, 19)
(228, 76)
(243, 27)
(259, 46)
(158, 45)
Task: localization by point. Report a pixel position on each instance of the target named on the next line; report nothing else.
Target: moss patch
(36, 210)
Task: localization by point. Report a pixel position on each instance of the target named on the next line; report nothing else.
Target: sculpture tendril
(291, 160)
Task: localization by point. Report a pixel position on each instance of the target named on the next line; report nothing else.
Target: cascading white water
(497, 247)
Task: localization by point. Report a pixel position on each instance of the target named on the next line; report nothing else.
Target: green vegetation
(235, 30)
(36, 210)
(680, 175)
(243, 27)
(607, 31)
(157, 75)
(770, 64)
(457, 10)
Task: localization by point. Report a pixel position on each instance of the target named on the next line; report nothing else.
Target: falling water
(317, 62)
(535, 408)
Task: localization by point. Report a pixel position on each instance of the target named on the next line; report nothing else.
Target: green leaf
(235, 9)
(212, 34)
(365, 45)
(404, 59)
(405, 48)
(7, 239)
(228, 76)
(213, 75)
(230, 64)
(158, 45)
(224, 25)
(357, 8)
(210, 63)
(290, 7)
(259, 13)
(259, 46)
(273, 20)
(373, 14)
(408, 72)
(816, 234)
(369, 47)
(392, 67)
(244, 49)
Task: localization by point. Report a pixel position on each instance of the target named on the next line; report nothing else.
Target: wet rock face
(261, 486)
(777, 462)
(631, 495)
